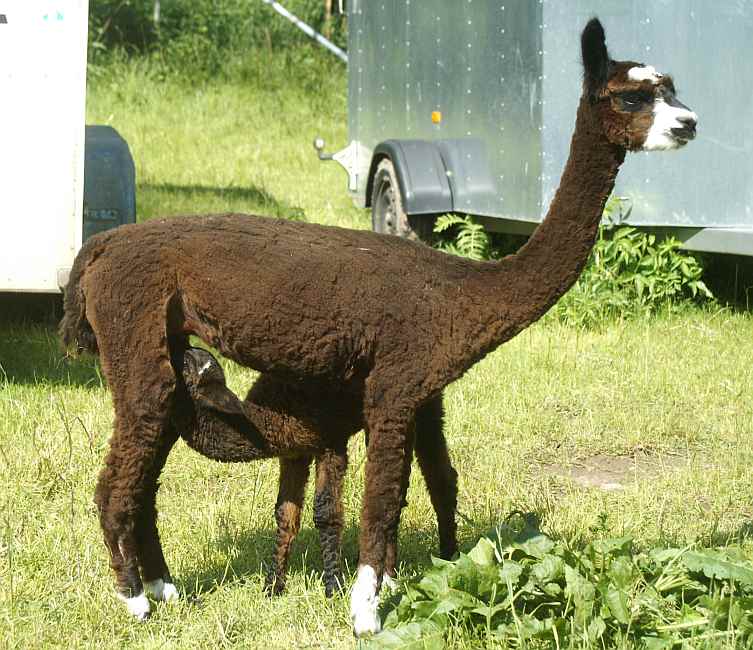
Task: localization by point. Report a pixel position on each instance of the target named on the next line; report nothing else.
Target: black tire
(387, 214)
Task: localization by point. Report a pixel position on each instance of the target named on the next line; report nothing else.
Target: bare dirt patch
(611, 473)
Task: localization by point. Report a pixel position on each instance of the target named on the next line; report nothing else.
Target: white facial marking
(138, 606)
(643, 73)
(204, 368)
(666, 118)
(161, 590)
(364, 602)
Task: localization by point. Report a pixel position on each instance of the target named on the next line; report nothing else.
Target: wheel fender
(420, 172)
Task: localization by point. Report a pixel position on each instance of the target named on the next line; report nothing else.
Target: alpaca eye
(632, 101)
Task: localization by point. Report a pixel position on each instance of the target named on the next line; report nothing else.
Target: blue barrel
(109, 181)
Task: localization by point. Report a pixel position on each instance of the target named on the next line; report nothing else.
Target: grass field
(664, 404)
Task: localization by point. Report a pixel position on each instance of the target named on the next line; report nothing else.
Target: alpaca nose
(688, 121)
(686, 131)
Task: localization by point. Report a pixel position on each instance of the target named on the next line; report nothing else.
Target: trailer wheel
(387, 214)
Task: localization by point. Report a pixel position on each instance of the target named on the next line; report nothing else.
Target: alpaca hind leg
(439, 474)
(136, 362)
(154, 571)
(120, 497)
(389, 451)
(328, 514)
(294, 473)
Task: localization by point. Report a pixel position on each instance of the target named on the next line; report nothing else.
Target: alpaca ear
(595, 57)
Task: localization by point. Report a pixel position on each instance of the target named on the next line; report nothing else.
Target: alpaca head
(205, 382)
(635, 104)
(201, 369)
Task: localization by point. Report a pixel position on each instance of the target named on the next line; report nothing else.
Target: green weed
(519, 587)
(630, 273)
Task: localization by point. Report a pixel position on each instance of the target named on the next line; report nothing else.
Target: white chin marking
(643, 73)
(161, 590)
(364, 602)
(205, 367)
(389, 583)
(666, 118)
(138, 606)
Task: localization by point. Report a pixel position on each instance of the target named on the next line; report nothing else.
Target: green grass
(240, 143)
(676, 387)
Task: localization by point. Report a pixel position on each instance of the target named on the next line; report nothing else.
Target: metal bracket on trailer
(348, 158)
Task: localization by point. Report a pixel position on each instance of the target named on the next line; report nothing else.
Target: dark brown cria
(218, 425)
(372, 324)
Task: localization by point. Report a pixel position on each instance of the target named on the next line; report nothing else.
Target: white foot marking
(170, 594)
(161, 590)
(389, 583)
(138, 606)
(364, 602)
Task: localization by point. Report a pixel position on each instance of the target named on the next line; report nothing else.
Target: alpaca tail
(75, 331)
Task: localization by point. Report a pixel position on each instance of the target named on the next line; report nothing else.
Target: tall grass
(240, 142)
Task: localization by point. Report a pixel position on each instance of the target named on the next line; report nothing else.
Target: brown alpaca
(218, 425)
(389, 322)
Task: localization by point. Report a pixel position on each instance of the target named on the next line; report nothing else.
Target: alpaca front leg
(328, 514)
(390, 556)
(389, 451)
(294, 473)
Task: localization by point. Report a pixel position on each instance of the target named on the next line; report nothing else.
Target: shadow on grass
(251, 552)
(30, 351)
(156, 199)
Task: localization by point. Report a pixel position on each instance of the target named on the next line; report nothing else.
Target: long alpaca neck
(519, 289)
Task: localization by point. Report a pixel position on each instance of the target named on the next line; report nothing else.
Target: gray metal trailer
(468, 106)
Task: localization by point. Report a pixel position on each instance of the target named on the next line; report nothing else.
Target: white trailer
(43, 80)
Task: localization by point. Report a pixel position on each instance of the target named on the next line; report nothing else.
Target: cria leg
(328, 514)
(294, 473)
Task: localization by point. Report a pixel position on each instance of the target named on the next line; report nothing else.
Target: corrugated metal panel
(506, 75)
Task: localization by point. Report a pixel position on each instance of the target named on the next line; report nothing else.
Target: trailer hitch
(349, 158)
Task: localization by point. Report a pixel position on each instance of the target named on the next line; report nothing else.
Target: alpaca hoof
(161, 590)
(138, 606)
(274, 586)
(333, 585)
(364, 603)
(365, 623)
(170, 594)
